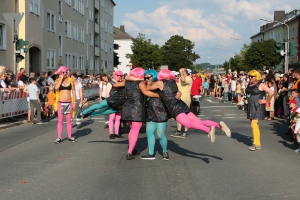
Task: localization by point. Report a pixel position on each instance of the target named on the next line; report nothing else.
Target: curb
(12, 124)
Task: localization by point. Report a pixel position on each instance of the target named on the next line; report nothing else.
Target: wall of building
(6, 45)
(124, 48)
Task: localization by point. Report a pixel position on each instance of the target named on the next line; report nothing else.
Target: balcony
(97, 28)
(97, 4)
(97, 51)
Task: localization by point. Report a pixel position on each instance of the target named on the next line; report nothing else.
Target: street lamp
(228, 54)
(233, 38)
(286, 63)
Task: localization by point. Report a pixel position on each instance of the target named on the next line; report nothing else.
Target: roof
(119, 34)
(113, 2)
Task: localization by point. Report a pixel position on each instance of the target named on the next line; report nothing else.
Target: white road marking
(229, 117)
(229, 114)
(101, 121)
(217, 107)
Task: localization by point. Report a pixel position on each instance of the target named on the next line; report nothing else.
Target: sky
(210, 24)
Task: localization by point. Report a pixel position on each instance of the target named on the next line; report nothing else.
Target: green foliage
(198, 67)
(178, 53)
(144, 53)
(262, 53)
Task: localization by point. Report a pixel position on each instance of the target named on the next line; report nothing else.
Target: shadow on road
(247, 140)
(142, 145)
(82, 132)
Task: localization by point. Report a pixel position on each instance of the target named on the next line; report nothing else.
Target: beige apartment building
(286, 27)
(64, 32)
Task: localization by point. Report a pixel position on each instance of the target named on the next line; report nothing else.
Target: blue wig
(153, 73)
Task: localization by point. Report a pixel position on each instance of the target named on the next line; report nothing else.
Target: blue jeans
(233, 94)
(225, 96)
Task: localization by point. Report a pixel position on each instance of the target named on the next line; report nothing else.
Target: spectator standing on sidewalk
(102, 95)
(20, 73)
(3, 85)
(297, 130)
(184, 86)
(51, 101)
(195, 91)
(226, 91)
(79, 97)
(49, 79)
(33, 93)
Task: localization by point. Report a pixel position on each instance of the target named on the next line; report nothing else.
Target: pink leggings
(61, 119)
(133, 135)
(114, 118)
(191, 121)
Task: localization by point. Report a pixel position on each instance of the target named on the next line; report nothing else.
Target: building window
(60, 45)
(68, 29)
(87, 52)
(86, 3)
(34, 6)
(50, 21)
(91, 39)
(87, 26)
(92, 63)
(81, 62)
(50, 58)
(60, 11)
(91, 14)
(102, 44)
(2, 36)
(75, 6)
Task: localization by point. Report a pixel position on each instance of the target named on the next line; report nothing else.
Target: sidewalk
(13, 121)
(22, 119)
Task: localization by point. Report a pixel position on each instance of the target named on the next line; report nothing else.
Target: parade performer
(114, 118)
(133, 109)
(157, 118)
(179, 110)
(256, 91)
(64, 102)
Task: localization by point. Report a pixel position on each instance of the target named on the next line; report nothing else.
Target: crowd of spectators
(10, 82)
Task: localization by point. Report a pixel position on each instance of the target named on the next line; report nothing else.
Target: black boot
(129, 157)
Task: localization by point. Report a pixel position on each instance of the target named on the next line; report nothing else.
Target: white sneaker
(225, 129)
(211, 134)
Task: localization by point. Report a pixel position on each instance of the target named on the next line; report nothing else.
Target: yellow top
(185, 89)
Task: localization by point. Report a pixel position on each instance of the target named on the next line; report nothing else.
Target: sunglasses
(66, 72)
(147, 78)
(120, 75)
(252, 76)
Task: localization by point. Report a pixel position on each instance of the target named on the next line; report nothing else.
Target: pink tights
(60, 122)
(133, 135)
(114, 118)
(191, 121)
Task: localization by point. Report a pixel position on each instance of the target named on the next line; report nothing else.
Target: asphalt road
(34, 167)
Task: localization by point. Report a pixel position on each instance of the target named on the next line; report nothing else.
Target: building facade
(286, 27)
(123, 42)
(63, 32)
(6, 35)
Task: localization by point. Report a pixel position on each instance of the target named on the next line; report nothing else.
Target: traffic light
(21, 48)
(293, 49)
(280, 49)
(21, 44)
(19, 57)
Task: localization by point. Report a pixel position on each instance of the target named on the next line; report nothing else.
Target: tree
(262, 53)
(198, 67)
(144, 53)
(178, 53)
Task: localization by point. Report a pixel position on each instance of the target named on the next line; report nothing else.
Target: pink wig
(165, 74)
(117, 72)
(63, 69)
(137, 72)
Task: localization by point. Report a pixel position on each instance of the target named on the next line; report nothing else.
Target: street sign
(13, 19)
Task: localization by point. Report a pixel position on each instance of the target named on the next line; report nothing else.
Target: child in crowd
(226, 90)
(51, 101)
(271, 108)
(45, 108)
(206, 85)
(293, 118)
(295, 96)
(297, 130)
